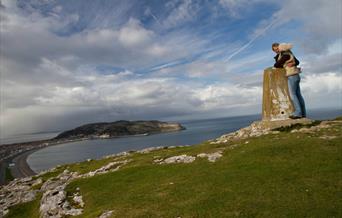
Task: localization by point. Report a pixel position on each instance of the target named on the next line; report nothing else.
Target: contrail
(153, 16)
(251, 41)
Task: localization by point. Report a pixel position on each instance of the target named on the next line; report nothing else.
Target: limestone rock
(51, 202)
(54, 201)
(106, 214)
(212, 157)
(78, 199)
(16, 192)
(258, 128)
(107, 168)
(179, 159)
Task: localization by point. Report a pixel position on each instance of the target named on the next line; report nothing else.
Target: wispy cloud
(99, 60)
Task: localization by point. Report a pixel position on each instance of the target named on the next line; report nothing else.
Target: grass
(29, 209)
(338, 118)
(277, 175)
(8, 175)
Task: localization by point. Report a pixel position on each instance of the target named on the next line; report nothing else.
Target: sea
(196, 132)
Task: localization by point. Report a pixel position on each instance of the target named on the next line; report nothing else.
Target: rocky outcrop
(119, 128)
(177, 159)
(212, 157)
(18, 191)
(259, 128)
(54, 201)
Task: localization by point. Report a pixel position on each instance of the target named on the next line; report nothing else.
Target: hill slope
(119, 128)
(294, 173)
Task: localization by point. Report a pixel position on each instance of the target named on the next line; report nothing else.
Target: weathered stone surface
(212, 157)
(178, 159)
(276, 101)
(106, 214)
(107, 168)
(258, 128)
(16, 192)
(52, 201)
(78, 199)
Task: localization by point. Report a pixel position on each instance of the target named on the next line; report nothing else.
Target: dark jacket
(284, 57)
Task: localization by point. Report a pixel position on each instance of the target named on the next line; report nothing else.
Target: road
(20, 169)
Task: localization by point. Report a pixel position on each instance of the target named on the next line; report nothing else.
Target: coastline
(21, 168)
(228, 147)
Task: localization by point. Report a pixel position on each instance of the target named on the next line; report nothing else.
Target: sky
(69, 62)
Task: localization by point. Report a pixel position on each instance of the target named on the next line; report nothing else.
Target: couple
(285, 59)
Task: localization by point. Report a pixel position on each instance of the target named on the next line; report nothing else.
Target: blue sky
(65, 63)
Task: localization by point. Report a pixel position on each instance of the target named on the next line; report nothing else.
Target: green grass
(277, 175)
(8, 175)
(338, 118)
(29, 209)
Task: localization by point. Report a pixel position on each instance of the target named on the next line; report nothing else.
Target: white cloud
(322, 90)
(124, 96)
(328, 83)
(50, 81)
(133, 34)
(320, 22)
(183, 12)
(235, 8)
(205, 68)
(226, 95)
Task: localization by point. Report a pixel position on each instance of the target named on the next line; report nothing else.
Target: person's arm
(280, 63)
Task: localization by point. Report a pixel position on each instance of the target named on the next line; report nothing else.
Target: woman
(286, 59)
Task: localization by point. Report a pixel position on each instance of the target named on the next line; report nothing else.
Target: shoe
(294, 117)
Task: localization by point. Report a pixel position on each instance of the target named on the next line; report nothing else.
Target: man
(285, 59)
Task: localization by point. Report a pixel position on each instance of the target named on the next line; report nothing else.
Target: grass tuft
(8, 175)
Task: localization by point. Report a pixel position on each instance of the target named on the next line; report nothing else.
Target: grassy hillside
(285, 174)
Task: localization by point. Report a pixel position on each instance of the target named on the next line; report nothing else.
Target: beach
(20, 168)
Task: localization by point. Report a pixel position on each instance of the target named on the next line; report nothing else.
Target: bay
(196, 132)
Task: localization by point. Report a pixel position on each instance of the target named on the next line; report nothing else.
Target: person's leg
(301, 100)
(293, 83)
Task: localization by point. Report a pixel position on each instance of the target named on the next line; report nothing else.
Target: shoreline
(21, 168)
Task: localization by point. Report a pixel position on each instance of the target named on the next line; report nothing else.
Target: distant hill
(119, 128)
(291, 171)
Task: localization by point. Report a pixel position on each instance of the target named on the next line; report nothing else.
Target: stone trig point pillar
(276, 101)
